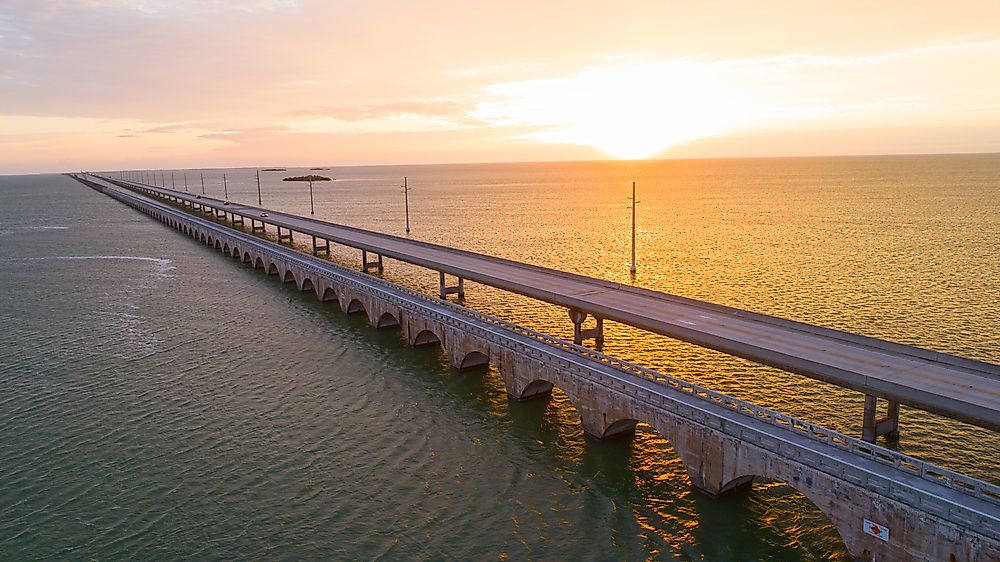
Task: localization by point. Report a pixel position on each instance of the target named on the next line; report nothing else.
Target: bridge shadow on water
(634, 486)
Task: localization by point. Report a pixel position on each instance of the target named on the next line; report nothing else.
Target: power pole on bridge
(258, 188)
(406, 202)
(632, 269)
(225, 187)
(312, 208)
(203, 183)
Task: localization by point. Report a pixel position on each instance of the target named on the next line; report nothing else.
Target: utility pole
(185, 181)
(173, 184)
(202, 183)
(632, 269)
(406, 202)
(225, 187)
(258, 188)
(312, 209)
(163, 180)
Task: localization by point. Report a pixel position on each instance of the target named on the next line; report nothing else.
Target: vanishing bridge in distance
(886, 506)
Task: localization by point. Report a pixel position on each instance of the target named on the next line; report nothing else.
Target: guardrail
(924, 470)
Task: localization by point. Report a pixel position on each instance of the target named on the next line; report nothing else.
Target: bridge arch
(425, 338)
(307, 284)
(355, 306)
(246, 257)
(328, 295)
(272, 268)
(387, 320)
(288, 277)
(225, 247)
(472, 359)
(218, 244)
(258, 263)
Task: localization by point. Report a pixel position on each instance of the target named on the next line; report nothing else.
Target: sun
(625, 111)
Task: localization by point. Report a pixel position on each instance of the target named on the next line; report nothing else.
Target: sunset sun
(626, 112)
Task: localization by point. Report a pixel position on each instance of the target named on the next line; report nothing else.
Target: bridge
(885, 505)
(952, 386)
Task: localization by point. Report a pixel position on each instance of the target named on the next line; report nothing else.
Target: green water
(159, 400)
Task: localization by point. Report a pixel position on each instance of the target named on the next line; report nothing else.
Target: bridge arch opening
(218, 244)
(328, 295)
(387, 320)
(225, 247)
(791, 519)
(258, 263)
(272, 269)
(289, 277)
(246, 257)
(425, 338)
(474, 359)
(355, 306)
(307, 285)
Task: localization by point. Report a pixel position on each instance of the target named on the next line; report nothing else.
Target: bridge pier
(367, 266)
(283, 237)
(444, 290)
(324, 248)
(873, 428)
(580, 334)
(255, 228)
(239, 222)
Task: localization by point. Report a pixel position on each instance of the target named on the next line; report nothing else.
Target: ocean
(159, 400)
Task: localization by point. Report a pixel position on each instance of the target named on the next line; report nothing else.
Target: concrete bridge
(948, 385)
(885, 505)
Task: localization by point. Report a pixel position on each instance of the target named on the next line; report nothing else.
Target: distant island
(273, 170)
(307, 178)
(319, 169)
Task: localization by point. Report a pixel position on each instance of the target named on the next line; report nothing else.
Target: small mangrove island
(273, 170)
(310, 177)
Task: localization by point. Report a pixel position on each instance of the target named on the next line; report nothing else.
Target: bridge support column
(324, 248)
(873, 428)
(580, 334)
(237, 222)
(444, 290)
(255, 228)
(283, 237)
(220, 213)
(367, 266)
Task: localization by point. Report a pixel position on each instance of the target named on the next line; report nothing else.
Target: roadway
(948, 385)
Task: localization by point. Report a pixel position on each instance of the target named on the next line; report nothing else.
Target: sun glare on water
(627, 112)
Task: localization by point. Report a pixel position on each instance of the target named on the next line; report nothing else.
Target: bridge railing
(922, 469)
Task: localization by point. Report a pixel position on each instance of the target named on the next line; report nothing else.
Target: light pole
(632, 269)
(185, 181)
(225, 187)
(258, 188)
(312, 209)
(202, 183)
(173, 185)
(406, 202)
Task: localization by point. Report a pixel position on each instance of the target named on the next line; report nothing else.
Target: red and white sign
(876, 530)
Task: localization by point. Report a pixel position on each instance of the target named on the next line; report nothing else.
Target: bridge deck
(949, 385)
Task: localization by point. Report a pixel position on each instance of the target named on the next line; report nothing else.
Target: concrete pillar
(873, 428)
(580, 334)
(444, 290)
(367, 266)
(254, 227)
(324, 248)
(283, 237)
(235, 221)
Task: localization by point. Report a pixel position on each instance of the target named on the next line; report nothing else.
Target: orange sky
(111, 84)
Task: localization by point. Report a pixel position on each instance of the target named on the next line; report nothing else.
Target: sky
(153, 84)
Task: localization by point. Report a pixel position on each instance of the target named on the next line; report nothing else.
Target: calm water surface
(162, 401)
